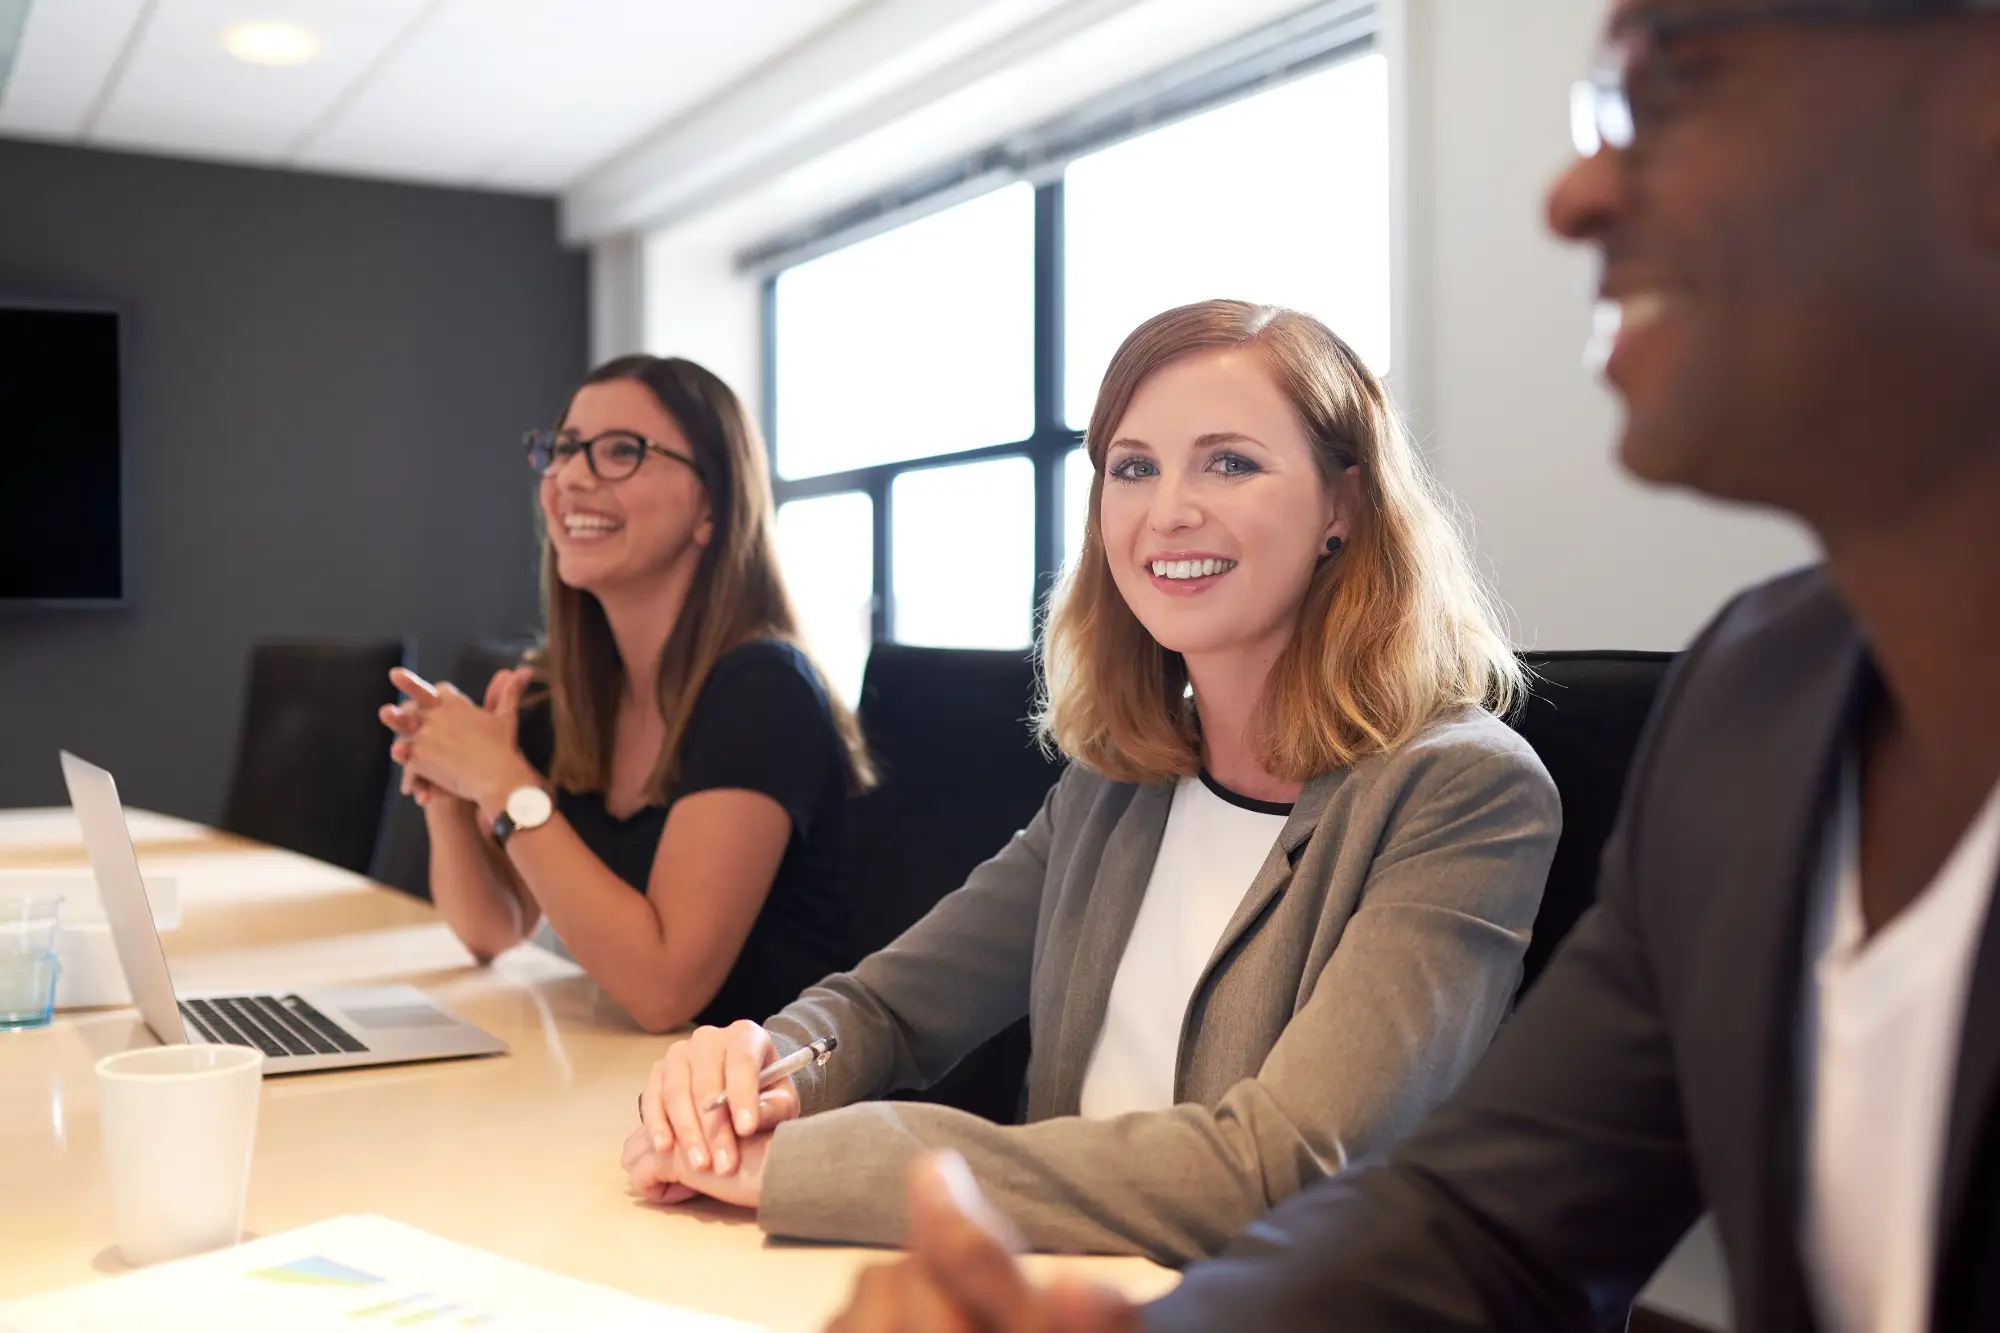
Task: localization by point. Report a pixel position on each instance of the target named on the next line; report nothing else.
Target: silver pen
(779, 1070)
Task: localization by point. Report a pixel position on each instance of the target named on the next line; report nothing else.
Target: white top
(1214, 845)
(1879, 1058)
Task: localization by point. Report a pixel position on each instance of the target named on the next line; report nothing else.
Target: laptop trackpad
(394, 1015)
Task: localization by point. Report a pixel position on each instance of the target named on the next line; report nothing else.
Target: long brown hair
(736, 595)
(1394, 631)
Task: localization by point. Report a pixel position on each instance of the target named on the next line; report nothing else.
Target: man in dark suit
(1786, 1006)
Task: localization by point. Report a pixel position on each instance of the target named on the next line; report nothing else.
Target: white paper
(355, 1275)
(82, 905)
(92, 974)
(56, 826)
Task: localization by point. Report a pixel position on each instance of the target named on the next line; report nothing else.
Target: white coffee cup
(178, 1125)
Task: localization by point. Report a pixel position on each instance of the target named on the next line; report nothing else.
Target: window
(1076, 501)
(964, 554)
(917, 342)
(929, 385)
(826, 546)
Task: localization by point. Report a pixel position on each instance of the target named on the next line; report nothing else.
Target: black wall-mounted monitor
(62, 538)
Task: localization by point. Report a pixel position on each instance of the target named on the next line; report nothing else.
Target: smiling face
(614, 535)
(1785, 257)
(1213, 510)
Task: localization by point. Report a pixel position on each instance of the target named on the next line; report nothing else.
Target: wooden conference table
(516, 1154)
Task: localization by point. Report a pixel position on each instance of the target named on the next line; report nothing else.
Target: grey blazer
(1361, 977)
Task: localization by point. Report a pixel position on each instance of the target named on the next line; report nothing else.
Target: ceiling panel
(527, 94)
(182, 92)
(67, 51)
(512, 94)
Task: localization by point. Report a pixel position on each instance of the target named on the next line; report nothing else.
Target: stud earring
(1333, 545)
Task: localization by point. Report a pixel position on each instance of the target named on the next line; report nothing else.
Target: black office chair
(1583, 717)
(403, 853)
(961, 774)
(312, 771)
(477, 665)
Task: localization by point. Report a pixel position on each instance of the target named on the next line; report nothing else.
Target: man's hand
(961, 1276)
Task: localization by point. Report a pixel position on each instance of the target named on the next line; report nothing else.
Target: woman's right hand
(693, 1071)
(403, 719)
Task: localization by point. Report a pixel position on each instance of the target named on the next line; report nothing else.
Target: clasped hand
(449, 745)
(670, 1177)
(680, 1149)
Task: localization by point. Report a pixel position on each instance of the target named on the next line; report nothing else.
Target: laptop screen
(108, 843)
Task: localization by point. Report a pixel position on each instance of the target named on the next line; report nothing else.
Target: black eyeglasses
(1635, 81)
(612, 456)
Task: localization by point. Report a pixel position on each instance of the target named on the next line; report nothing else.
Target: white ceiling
(734, 119)
(523, 95)
(1078, 50)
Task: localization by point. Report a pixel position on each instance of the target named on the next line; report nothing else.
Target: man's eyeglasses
(1636, 80)
(612, 456)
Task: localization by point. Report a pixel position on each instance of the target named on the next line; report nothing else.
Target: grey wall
(326, 381)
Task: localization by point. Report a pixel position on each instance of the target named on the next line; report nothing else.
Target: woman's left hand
(651, 1173)
(743, 1187)
(461, 748)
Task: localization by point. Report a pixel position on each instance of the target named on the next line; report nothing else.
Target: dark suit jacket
(1653, 1070)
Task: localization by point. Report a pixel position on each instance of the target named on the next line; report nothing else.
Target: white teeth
(1605, 317)
(575, 523)
(1639, 311)
(1191, 569)
(1613, 319)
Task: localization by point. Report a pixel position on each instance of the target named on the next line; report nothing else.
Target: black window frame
(1047, 448)
(1317, 39)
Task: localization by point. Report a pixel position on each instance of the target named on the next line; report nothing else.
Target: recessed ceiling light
(271, 43)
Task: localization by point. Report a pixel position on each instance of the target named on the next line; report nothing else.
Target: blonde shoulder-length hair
(737, 594)
(1394, 631)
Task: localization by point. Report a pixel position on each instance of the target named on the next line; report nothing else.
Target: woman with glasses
(671, 798)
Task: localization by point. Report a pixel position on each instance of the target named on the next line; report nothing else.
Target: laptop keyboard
(277, 1025)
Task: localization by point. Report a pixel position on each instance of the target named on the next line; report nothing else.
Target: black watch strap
(503, 829)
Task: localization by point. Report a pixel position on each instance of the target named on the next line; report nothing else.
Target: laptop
(298, 1030)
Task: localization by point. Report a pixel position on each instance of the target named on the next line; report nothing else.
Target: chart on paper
(316, 1285)
(354, 1274)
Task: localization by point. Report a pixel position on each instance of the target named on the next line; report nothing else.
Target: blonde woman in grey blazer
(1276, 908)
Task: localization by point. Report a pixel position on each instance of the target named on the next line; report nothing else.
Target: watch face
(529, 806)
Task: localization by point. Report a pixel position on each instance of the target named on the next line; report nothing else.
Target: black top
(762, 723)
